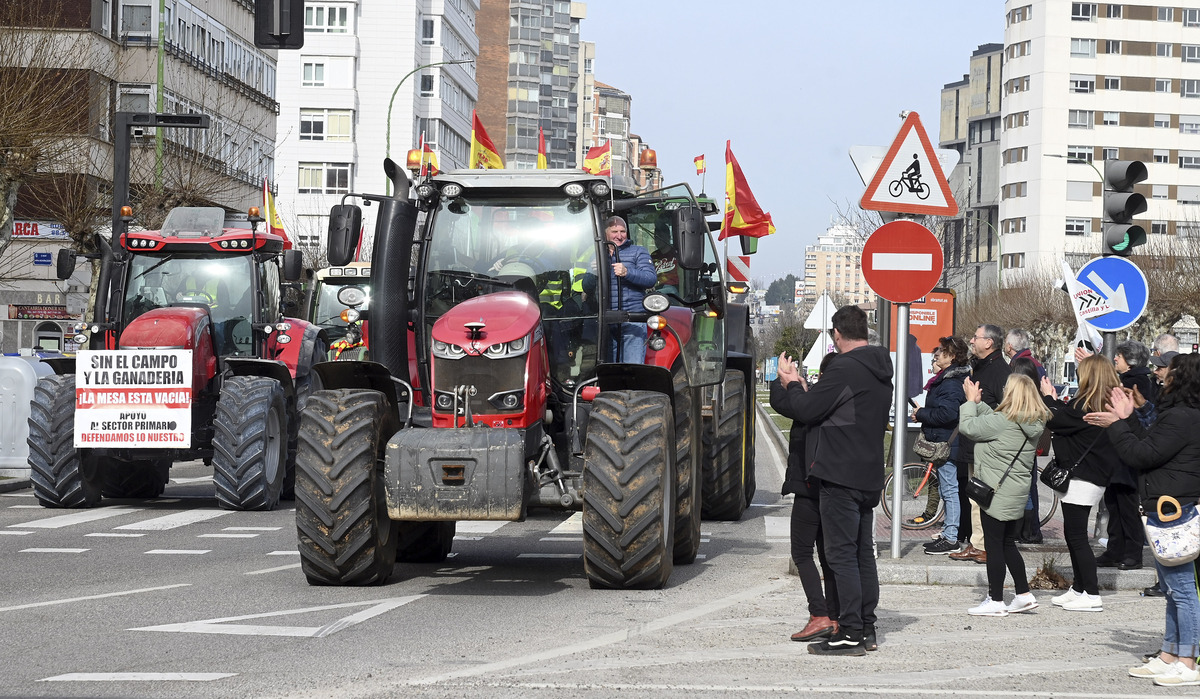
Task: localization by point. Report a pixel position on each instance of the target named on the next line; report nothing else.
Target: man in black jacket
(990, 371)
(848, 413)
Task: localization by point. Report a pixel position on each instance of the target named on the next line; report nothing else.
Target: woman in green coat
(1005, 449)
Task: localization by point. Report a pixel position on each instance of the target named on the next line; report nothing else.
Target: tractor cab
(328, 307)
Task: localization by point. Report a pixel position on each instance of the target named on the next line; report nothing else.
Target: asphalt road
(175, 597)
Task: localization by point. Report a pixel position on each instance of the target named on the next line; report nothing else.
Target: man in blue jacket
(632, 273)
(848, 414)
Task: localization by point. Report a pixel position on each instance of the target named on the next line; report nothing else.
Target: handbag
(1174, 538)
(937, 452)
(1058, 477)
(983, 493)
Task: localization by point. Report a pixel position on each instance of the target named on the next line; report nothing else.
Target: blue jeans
(948, 488)
(628, 342)
(1183, 609)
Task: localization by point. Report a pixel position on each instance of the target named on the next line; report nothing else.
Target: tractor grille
(488, 376)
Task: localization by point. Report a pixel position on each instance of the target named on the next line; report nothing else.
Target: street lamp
(392, 101)
(1080, 161)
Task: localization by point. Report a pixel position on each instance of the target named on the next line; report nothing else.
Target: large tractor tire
(62, 477)
(724, 482)
(629, 491)
(687, 471)
(425, 542)
(345, 535)
(250, 443)
(142, 478)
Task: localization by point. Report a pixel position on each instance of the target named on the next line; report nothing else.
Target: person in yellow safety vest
(552, 292)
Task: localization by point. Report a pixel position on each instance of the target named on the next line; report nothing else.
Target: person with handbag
(939, 424)
(1083, 464)
(1166, 460)
(1005, 444)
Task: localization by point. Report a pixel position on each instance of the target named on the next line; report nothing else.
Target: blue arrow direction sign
(1123, 287)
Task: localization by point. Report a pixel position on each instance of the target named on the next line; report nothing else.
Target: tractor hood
(505, 316)
(175, 327)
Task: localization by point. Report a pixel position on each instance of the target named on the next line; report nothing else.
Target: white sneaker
(1070, 594)
(1155, 668)
(1178, 675)
(989, 607)
(1084, 603)
(1022, 603)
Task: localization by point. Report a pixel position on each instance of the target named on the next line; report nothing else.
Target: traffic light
(1121, 204)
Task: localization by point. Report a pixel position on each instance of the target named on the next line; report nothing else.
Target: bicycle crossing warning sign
(910, 179)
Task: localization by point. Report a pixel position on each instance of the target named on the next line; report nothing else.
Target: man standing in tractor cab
(632, 274)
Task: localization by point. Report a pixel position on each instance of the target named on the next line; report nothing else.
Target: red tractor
(492, 388)
(213, 291)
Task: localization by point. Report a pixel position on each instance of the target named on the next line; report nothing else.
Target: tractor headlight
(451, 191)
(574, 190)
(80, 339)
(445, 401)
(445, 350)
(504, 350)
(283, 339)
(509, 401)
(600, 189)
(350, 315)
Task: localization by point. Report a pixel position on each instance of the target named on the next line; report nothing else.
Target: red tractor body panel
(679, 320)
(180, 327)
(290, 352)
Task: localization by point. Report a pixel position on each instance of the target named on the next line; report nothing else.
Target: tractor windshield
(543, 246)
(327, 310)
(222, 284)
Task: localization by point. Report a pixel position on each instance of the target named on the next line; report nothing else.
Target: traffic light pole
(899, 422)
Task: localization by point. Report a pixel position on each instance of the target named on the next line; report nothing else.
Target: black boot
(1031, 528)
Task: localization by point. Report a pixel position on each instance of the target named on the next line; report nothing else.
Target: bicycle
(917, 479)
(897, 187)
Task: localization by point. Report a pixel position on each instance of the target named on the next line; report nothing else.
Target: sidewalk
(915, 567)
(7, 485)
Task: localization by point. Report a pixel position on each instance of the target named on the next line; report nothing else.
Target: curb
(16, 484)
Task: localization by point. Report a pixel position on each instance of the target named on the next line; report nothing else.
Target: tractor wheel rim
(271, 457)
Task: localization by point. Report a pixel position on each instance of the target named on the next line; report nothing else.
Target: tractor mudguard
(737, 328)
(457, 473)
(60, 365)
(635, 377)
(269, 368)
(368, 375)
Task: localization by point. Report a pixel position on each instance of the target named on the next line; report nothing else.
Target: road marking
(24, 507)
(272, 570)
(467, 538)
(549, 555)
(478, 527)
(60, 521)
(16, 495)
(226, 536)
(53, 550)
(181, 552)
(284, 553)
(90, 597)
(252, 529)
(571, 525)
(139, 677)
(772, 689)
(115, 535)
(608, 638)
(166, 501)
(561, 538)
(16, 533)
(778, 527)
(902, 261)
(197, 479)
(222, 626)
(176, 520)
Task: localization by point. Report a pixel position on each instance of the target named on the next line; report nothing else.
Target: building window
(1188, 194)
(1020, 84)
(1083, 83)
(1189, 88)
(1112, 83)
(1111, 119)
(1112, 46)
(1079, 154)
(1162, 121)
(1187, 229)
(324, 178)
(1162, 84)
(135, 20)
(1016, 155)
(1164, 50)
(1079, 191)
(1014, 261)
(1162, 156)
(1083, 48)
(427, 36)
(1114, 11)
(1158, 228)
(1012, 225)
(1014, 190)
(1109, 153)
(1166, 14)
(1189, 123)
(1083, 11)
(1158, 191)
(1189, 159)
(1191, 18)
(1079, 119)
(320, 19)
(427, 86)
(1016, 120)
(1021, 14)
(1078, 226)
(326, 124)
(313, 75)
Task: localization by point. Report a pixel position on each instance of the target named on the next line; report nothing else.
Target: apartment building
(372, 80)
(834, 265)
(1087, 82)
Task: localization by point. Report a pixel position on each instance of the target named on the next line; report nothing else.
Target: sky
(793, 84)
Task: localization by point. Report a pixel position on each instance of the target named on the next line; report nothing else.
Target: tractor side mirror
(65, 263)
(692, 233)
(293, 265)
(345, 225)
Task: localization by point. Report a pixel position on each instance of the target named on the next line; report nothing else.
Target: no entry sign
(902, 261)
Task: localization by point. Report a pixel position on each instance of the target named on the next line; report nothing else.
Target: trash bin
(18, 377)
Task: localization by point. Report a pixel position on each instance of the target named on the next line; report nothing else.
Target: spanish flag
(700, 166)
(599, 160)
(274, 223)
(743, 215)
(541, 162)
(484, 155)
(429, 161)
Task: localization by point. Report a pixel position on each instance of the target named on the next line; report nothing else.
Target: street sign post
(902, 261)
(910, 179)
(1123, 288)
(737, 268)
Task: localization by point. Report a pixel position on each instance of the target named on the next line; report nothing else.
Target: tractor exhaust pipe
(391, 262)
